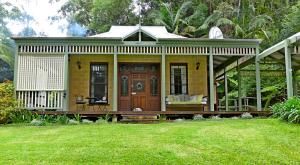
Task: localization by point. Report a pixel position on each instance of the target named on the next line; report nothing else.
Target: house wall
(79, 79)
(197, 79)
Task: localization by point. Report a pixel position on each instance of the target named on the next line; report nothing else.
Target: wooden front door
(139, 87)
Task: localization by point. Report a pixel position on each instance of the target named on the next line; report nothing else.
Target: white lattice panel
(40, 72)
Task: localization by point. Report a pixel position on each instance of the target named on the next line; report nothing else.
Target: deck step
(139, 118)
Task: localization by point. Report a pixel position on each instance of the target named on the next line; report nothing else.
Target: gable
(135, 37)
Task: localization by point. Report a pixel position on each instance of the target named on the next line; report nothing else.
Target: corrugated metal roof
(123, 32)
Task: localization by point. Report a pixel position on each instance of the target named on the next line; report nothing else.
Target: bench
(186, 103)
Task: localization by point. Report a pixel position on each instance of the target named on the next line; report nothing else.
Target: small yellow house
(140, 68)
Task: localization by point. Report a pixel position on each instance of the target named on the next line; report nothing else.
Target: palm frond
(181, 10)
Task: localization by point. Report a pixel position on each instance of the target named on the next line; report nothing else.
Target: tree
(7, 46)
(99, 14)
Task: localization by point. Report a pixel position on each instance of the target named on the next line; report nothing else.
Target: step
(139, 117)
(142, 121)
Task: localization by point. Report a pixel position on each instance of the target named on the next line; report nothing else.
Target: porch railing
(40, 99)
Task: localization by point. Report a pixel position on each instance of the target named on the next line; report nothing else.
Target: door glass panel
(154, 86)
(124, 86)
(138, 86)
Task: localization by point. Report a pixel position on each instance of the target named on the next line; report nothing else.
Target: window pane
(178, 79)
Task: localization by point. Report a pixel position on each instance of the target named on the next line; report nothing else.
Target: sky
(40, 10)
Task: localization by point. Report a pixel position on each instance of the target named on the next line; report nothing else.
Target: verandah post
(288, 69)
(163, 79)
(239, 87)
(257, 77)
(211, 80)
(115, 81)
(226, 90)
(66, 79)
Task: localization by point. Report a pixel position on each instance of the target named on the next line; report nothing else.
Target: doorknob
(133, 93)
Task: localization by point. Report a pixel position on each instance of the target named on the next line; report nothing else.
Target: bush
(246, 115)
(288, 111)
(62, 119)
(21, 116)
(7, 102)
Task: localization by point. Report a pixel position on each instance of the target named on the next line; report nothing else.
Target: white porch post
(16, 65)
(226, 90)
(211, 81)
(257, 77)
(239, 87)
(163, 80)
(288, 69)
(66, 80)
(115, 81)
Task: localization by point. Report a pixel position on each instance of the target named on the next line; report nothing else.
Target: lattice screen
(40, 72)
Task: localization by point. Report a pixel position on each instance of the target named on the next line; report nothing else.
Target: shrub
(62, 119)
(21, 116)
(246, 115)
(7, 102)
(288, 111)
(101, 121)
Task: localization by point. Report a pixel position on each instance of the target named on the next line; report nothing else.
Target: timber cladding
(79, 79)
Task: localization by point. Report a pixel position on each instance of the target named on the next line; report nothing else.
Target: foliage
(21, 116)
(288, 111)
(7, 101)
(77, 117)
(62, 119)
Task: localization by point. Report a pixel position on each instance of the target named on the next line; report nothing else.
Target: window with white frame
(179, 83)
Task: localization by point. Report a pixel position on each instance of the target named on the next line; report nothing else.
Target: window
(179, 84)
(98, 82)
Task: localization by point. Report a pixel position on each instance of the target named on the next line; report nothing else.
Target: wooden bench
(186, 107)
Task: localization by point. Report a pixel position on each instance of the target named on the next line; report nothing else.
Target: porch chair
(80, 102)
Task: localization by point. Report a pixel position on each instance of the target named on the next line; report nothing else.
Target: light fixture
(78, 64)
(197, 65)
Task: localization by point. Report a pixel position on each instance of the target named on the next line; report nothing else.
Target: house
(127, 68)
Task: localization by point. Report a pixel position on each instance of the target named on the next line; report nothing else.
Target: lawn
(228, 141)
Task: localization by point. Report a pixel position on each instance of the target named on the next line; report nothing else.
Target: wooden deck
(98, 113)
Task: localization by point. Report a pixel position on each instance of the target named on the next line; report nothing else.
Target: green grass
(256, 141)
